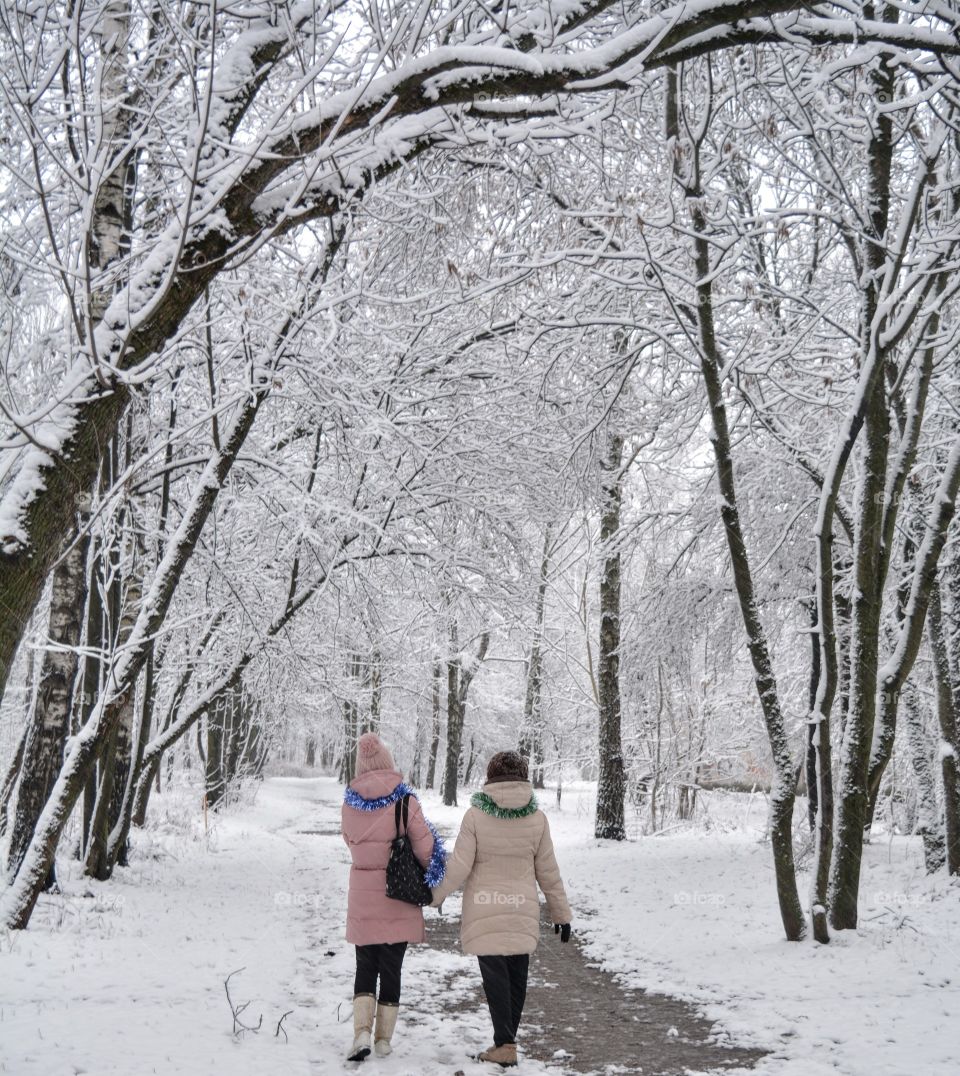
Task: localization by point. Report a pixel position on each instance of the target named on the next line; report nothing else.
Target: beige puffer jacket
(500, 862)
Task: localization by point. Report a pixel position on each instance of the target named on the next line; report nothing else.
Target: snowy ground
(127, 977)
(695, 915)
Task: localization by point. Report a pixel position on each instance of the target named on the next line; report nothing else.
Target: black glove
(563, 929)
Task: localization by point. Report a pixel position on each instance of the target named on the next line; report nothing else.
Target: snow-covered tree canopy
(382, 363)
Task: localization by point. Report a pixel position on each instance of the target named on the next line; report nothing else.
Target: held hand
(563, 929)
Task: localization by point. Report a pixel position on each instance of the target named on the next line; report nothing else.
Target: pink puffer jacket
(372, 917)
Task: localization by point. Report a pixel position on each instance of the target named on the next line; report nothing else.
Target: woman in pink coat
(377, 925)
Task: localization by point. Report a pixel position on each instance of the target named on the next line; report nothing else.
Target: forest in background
(580, 377)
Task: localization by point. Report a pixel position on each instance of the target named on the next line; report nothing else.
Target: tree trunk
(868, 552)
(145, 783)
(810, 764)
(471, 759)
(416, 769)
(782, 794)
(115, 760)
(853, 811)
(531, 735)
(928, 822)
(451, 769)
(232, 723)
(459, 678)
(90, 687)
(10, 778)
(120, 834)
(376, 690)
(435, 730)
(13, 769)
(611, 786)
(947, 719)
(131, 806)
(96, 859)
(214, 777)
(50, 722)
(348, 757)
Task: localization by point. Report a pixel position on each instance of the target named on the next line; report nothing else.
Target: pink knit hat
(373, 754)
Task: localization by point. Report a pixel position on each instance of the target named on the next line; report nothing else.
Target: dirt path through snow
(579, 1019)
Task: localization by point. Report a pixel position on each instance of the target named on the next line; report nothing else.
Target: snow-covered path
(127, 977)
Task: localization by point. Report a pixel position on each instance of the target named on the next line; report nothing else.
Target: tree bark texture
(611, 783)
(50, 722)
(435, 680)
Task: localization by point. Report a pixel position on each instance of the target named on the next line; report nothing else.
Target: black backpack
(405, 876)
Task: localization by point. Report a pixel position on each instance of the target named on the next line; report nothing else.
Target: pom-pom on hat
(506, 766)
(373, 754)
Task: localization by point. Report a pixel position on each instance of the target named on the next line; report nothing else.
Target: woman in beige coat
(502, 853)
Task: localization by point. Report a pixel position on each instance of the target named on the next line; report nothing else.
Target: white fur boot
(364, 1006)
(386, 1025)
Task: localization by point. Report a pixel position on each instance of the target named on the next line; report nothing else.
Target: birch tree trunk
(50, 721)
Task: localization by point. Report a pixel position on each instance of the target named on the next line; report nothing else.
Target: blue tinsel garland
(437, 867)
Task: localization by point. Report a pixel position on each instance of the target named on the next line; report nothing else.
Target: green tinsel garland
(483, 802)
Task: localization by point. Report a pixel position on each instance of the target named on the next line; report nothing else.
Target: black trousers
(505, 984)
(384, 961)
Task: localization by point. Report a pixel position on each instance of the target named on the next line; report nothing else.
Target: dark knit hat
(506, 766)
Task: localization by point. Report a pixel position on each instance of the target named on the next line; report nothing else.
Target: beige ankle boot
(386, 1025)
(364, 1006)
(505, 1056)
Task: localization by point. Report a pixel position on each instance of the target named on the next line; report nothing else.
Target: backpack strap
(396, 815)
(406, 811)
